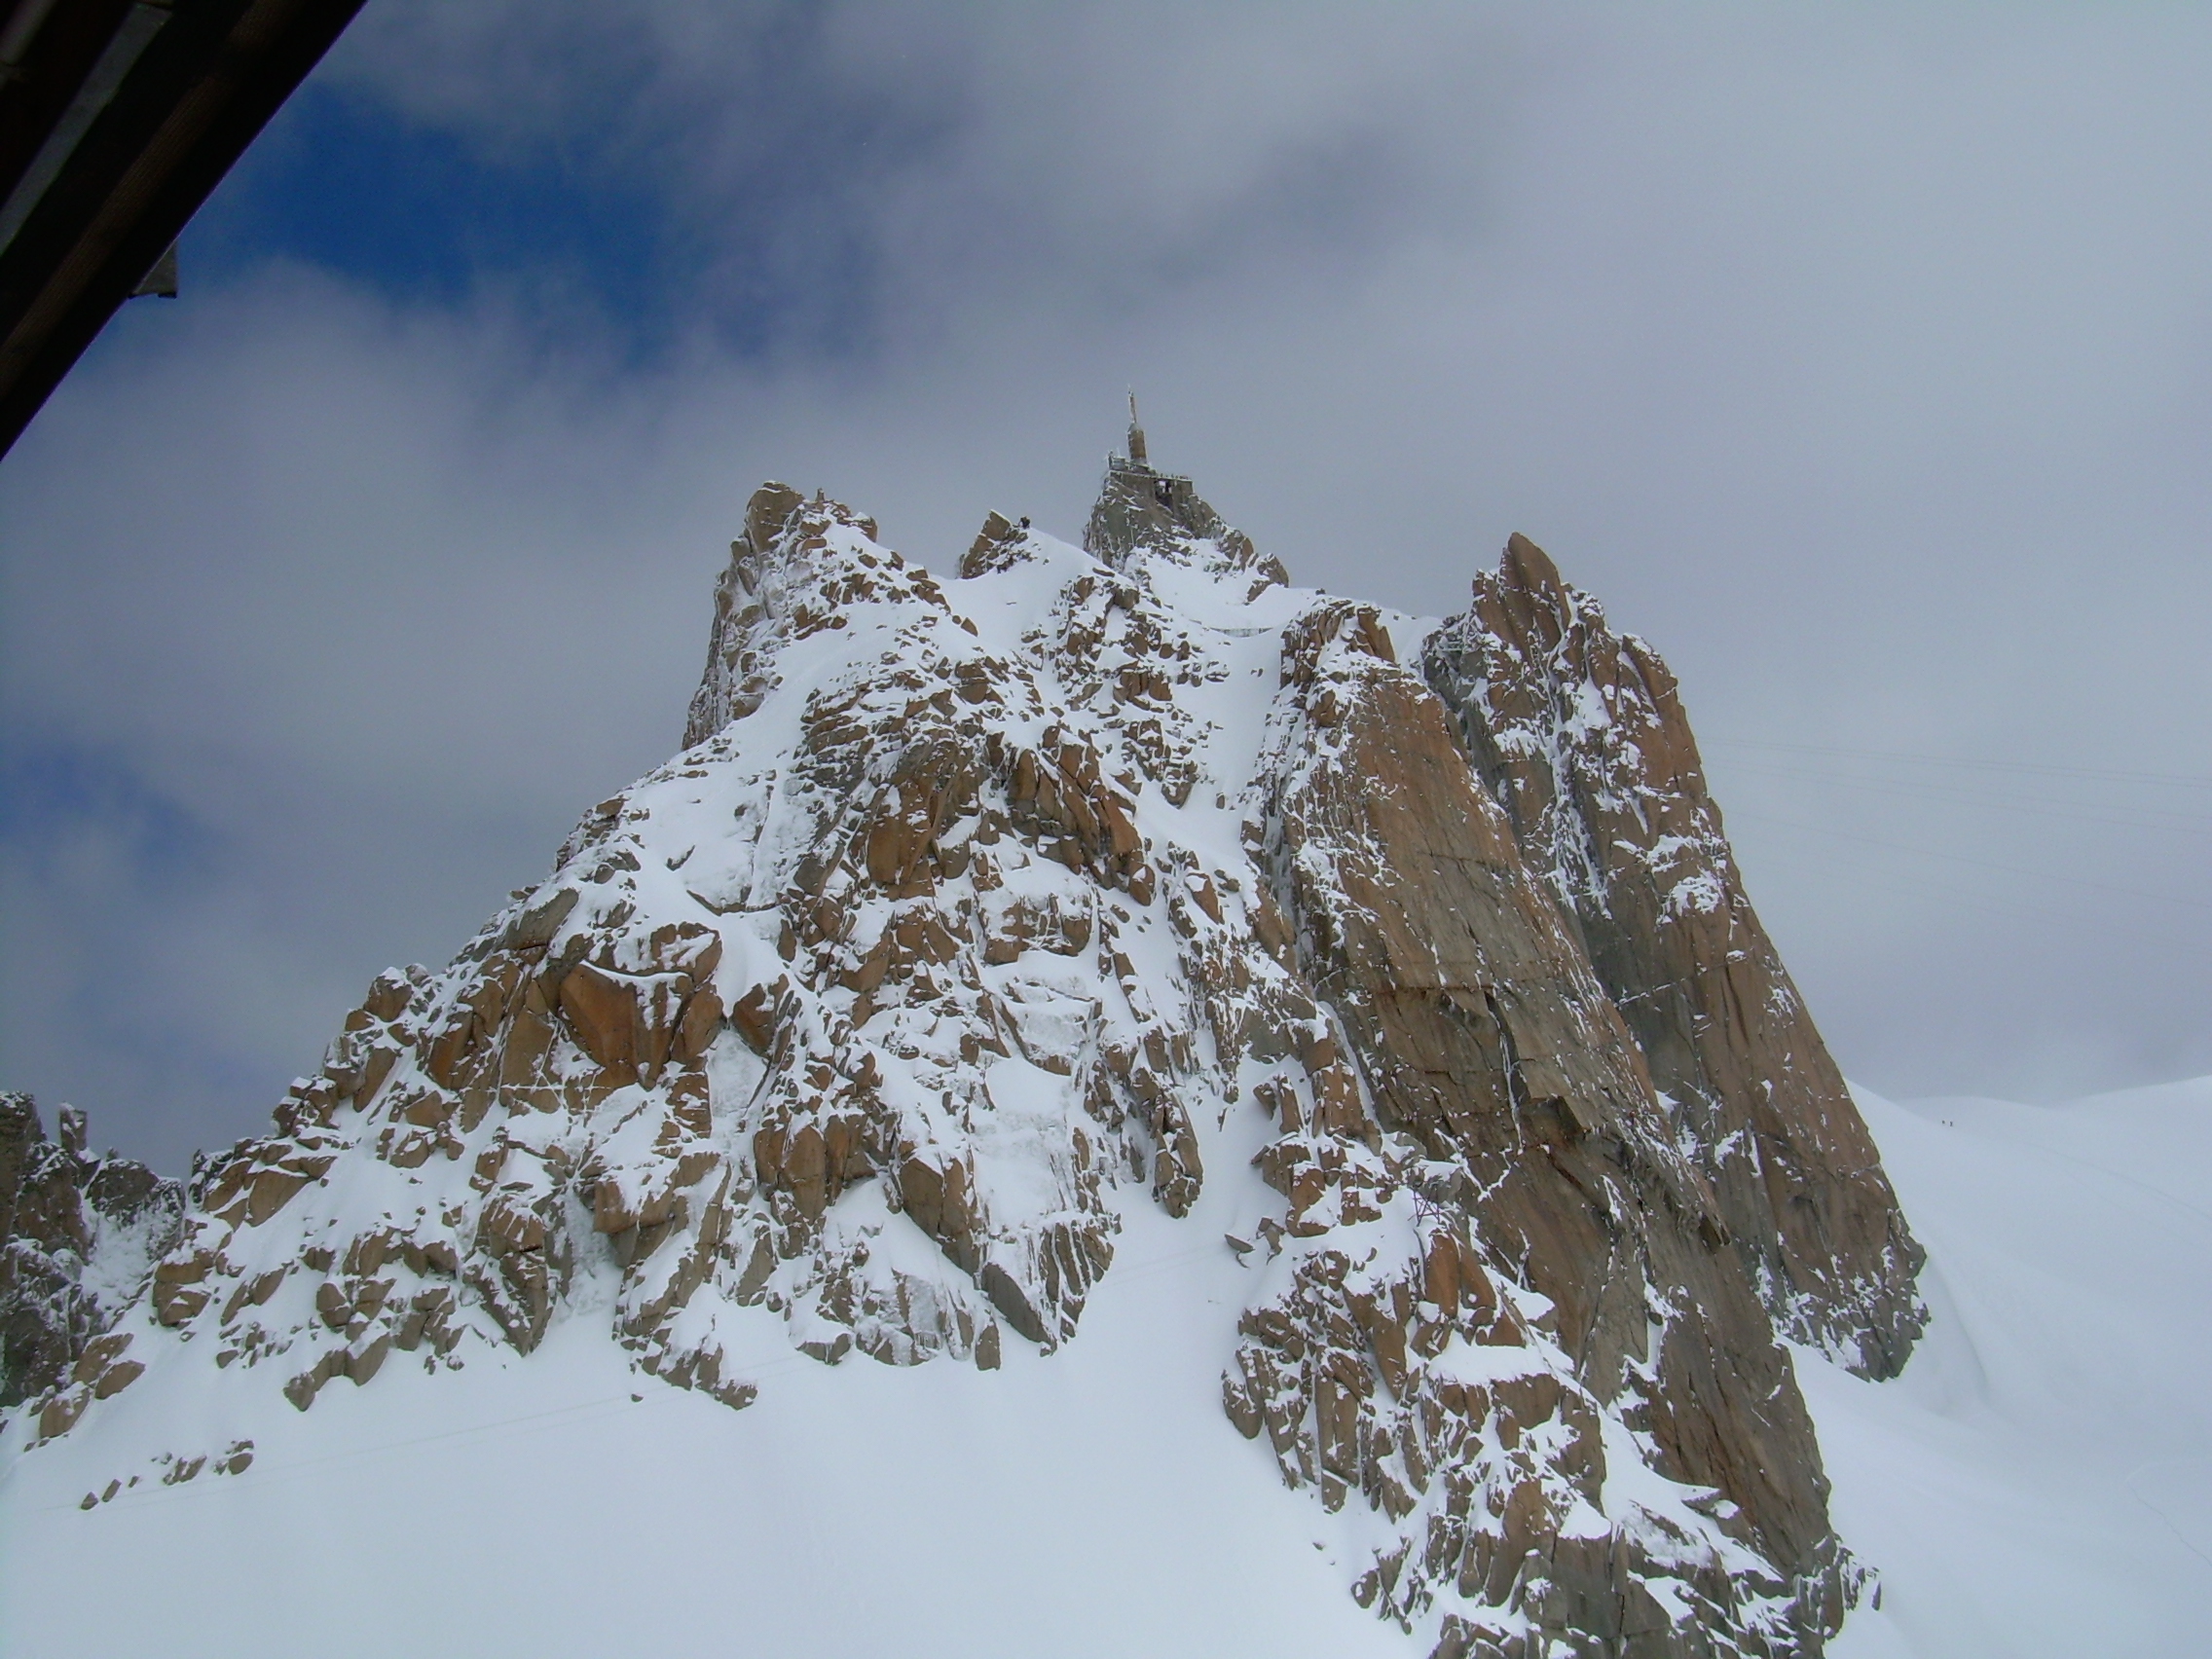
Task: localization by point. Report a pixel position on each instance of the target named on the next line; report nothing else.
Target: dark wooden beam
(117, 118)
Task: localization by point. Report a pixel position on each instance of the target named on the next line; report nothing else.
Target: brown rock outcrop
(1489, 1043)
(1580, 733)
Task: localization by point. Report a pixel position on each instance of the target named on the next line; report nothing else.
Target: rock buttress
(1541, 1148)
(1580, 735)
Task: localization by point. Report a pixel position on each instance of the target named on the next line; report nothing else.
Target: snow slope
(2039, 1482)
(1086, 1503)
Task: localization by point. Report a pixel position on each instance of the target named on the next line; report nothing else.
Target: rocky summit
(985, 908)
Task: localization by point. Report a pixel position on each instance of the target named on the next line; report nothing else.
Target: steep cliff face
(78, 1238)
(1580, 735)
(976, 913)
(1520, 1100)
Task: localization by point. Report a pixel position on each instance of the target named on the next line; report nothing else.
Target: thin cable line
(2173, 780)
(1978, 863)
(2181, 821)
(1993, 904)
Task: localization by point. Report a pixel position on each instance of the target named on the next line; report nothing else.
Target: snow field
(2039, 1483)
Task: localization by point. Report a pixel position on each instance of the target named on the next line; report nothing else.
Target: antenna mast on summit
(1136, 434)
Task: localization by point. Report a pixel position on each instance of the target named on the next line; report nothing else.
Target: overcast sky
(1859, 357)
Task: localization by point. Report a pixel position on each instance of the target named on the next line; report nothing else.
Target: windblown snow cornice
(977, 910)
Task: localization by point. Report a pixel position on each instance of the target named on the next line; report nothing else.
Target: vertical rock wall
(1490, 1046)
(1579, 735)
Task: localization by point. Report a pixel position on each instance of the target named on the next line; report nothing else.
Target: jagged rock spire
(1612, 811)
(78, 1236)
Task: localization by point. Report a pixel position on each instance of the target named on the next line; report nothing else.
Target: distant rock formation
(79, 1236)
(976, 912)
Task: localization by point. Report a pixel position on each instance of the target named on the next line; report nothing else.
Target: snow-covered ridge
(987, 918)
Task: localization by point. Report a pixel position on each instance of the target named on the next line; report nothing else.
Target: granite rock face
(977, 913)
(1490, 1046)
(1580, 735)
(78, 1238)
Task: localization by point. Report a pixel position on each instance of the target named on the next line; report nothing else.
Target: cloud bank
(1858, 359)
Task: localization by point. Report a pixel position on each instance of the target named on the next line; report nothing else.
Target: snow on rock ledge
(78, 1238)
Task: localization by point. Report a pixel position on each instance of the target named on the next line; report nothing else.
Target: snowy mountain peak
(985, 922)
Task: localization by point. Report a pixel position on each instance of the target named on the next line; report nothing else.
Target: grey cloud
(1855, 358)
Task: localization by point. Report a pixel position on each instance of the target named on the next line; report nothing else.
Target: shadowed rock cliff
(78, 1236)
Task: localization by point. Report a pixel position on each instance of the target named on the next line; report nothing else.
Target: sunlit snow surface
(2039, 1483)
